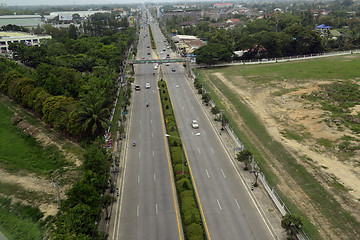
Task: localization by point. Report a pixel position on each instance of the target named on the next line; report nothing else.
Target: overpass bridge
(161, 61)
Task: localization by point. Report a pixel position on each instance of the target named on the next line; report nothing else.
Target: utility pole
(55, 177)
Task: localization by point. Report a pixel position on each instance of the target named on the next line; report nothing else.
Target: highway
(148, 205)
(229, 210)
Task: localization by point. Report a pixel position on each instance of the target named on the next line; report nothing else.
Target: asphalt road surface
(229, 210)
(148, 208)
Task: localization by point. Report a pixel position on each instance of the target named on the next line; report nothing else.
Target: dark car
(137, 87)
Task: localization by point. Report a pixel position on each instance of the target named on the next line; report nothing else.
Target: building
(186, 45)
(19, 37)
(68, 15)
(222, 5)
(21, 20)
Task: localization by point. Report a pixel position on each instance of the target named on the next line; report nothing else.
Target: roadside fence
(279, 203)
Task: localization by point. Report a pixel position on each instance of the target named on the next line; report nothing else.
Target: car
(148, 53)
(137, 87)
(194, 124)
(164, 49)
(173, 70)
(147, 85)
(148, 46)
(167, 64)
(168, 47)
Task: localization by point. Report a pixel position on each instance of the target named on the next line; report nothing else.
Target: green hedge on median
(189, 208)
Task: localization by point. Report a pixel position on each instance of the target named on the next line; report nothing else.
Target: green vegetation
(338, 98)
(82, 209)
(311, 70)
(12, 189)
(33, 157)
(19, 221)
(69, 82)
(264, 74)
(152, 41)
(189, 209)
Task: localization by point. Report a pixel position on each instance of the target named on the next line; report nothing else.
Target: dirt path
(278, 114)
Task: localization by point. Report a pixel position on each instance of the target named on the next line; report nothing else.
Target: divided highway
(148, 205)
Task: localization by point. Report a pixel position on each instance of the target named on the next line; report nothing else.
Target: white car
(194, 124)
(147, 85)
(167, 64)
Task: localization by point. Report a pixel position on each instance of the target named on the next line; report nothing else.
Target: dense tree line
(70, 80)
(274, 33)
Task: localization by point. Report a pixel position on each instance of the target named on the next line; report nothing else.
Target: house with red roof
(223, 5)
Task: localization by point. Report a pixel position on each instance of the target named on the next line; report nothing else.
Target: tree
(72, 32)
(93, 115)
(245, 157)
(292, 223)
(212, 53)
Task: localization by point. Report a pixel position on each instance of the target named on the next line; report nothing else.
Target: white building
(19, 37)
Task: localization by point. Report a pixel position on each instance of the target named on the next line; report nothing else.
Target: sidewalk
(259, 194)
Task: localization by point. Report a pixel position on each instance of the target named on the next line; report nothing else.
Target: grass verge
(322, 199)
(33, 157)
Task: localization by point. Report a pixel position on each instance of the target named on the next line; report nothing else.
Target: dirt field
(289, 112)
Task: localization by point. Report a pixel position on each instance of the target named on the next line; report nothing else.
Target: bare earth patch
(33, 183)
(289, 112)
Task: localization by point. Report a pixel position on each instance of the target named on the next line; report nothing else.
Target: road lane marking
(207, 173)
(212, 150)
(140, 122)
(138, 178)
(156, 209)
(191, 173)
(199, 150)
(237, 204)
(139, 155)
(172, 178)
(153, 153)
(154, 177)
(137, 210)
(151, 121)
(218, 203)
(223, 173)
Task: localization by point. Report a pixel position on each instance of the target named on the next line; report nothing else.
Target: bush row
(189, 209)
(153, 45)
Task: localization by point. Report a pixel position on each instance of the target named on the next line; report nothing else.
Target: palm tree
(93, 115)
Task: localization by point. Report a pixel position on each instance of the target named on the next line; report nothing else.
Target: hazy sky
(66, 2)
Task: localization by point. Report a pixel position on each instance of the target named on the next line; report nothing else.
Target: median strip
(189, 208)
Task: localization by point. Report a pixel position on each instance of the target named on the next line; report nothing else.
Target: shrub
(191, 213)
(178, 168)
(176, 154)
(184, 184)
(195, 232)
